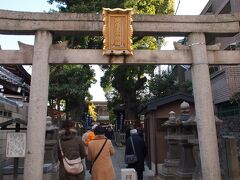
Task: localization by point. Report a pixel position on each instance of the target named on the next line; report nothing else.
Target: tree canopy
(125, 84)
(122, 83)
(71, 83)
(166, 84)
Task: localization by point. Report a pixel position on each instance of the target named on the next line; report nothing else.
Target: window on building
(227, 109)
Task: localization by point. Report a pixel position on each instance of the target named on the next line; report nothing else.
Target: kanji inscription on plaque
(16, 144)
(117, 31)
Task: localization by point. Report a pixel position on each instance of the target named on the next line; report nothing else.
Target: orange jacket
(90, 137)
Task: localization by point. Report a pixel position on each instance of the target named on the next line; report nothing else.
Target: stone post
(230, 163)
(37, 114)
(204, 108)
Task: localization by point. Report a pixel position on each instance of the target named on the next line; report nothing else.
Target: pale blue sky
(26, 5)
(186, 7)
(10, 42)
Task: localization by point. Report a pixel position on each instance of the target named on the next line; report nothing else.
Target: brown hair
(99, 130)
(67, 125)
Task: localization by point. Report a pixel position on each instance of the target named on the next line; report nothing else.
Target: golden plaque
(117, 31)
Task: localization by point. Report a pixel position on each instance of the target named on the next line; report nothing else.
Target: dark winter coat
(72, 146)
(140, 150)
(109, 134)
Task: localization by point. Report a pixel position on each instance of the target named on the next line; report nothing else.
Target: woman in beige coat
(102, 168)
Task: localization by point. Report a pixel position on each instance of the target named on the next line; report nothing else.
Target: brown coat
(103, 167)
(72, 146)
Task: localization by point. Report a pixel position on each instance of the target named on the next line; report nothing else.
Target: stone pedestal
(197, 175)
(187, 164)
(230, 162)
(173, 150)
(173, 154)
(50, 155)
(172, 160)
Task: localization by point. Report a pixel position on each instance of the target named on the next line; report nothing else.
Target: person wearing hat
(140, 151)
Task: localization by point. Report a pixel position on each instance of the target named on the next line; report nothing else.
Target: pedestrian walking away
(109, 132)
(102, 169)
(136, 145)
(72, 147)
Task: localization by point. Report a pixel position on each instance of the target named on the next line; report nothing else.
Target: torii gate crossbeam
(91, 23)
(91, 56)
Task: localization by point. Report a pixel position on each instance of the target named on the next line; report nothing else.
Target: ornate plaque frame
(117, 31)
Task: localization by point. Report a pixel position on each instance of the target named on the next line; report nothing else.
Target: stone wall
(231, 127)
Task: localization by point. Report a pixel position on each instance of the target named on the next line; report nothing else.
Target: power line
(177, 7)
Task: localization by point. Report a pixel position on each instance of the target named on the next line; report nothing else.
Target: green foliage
(151, 6)
(85, 42)
(70, 80)
(163, 84)
(145, 43)
(70, 83)
(125, 77)
(122, 83)
(130, 81)
(166, 84)
(86, 6)
(186, 86)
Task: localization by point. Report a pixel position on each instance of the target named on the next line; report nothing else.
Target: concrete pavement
(118, 163)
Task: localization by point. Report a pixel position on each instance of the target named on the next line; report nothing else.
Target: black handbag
(131, 158)
(91, 165)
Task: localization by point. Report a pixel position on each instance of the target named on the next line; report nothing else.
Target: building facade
(225, 80)
(102, 111)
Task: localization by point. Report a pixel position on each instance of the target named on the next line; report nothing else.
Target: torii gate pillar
(204, 108)
(33, 167)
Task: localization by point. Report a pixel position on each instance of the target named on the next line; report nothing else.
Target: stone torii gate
(197, 54)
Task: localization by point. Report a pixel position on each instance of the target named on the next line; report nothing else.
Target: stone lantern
(186, 130)
(173, 151)
(180, 162)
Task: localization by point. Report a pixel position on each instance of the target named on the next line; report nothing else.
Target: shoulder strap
(132, 145)
(99, 152)
(60, 146)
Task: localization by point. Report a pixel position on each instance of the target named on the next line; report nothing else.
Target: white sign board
(16, 144)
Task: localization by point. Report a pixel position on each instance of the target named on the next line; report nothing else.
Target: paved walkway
(118, 163)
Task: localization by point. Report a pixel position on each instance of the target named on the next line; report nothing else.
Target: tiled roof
(8, 101)
(13, 79)
(154, 104)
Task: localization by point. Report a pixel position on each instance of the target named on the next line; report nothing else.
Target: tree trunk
(131, 105)
(77, 111)
(181, 77)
